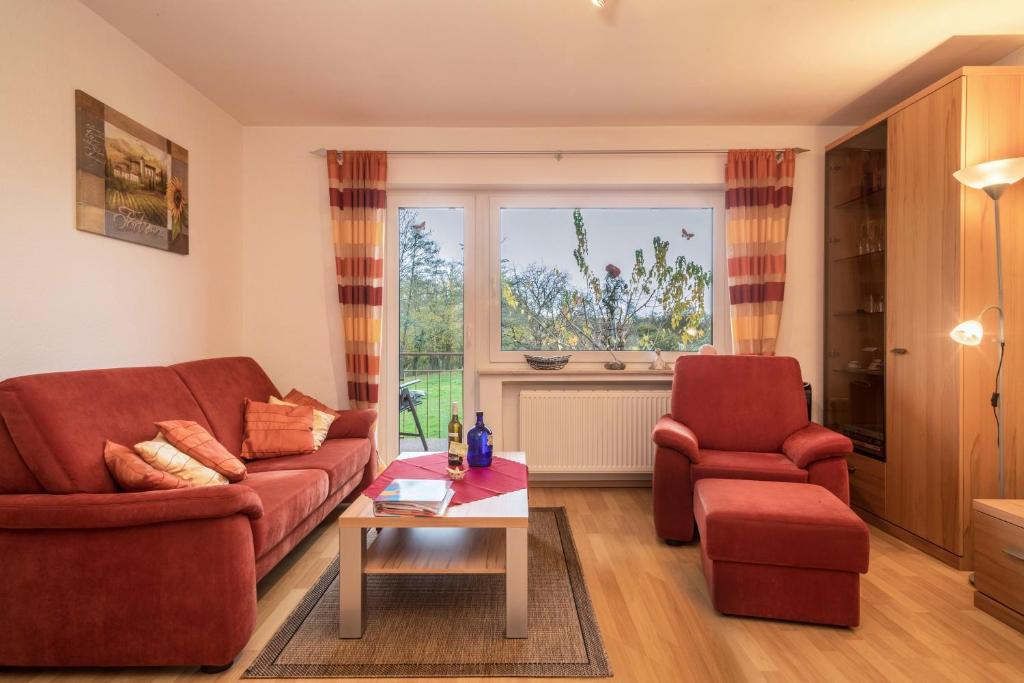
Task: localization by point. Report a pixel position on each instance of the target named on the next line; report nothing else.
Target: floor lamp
(993, 177)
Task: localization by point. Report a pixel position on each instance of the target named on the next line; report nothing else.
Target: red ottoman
(780, 550)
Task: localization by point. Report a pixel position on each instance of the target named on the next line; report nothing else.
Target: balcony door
(426, 354)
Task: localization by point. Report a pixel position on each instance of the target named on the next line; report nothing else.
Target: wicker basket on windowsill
(549, 363)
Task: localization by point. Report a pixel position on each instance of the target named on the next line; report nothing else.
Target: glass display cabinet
(855, 212)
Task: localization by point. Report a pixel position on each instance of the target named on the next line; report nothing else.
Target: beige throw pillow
(161, 455)
(321, 422)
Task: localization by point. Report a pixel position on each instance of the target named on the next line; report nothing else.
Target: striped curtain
(759, 192)
(358, 201)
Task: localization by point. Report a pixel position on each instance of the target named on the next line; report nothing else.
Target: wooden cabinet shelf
(872, 195)
(858, 312)
(859, 257)
(859, 371)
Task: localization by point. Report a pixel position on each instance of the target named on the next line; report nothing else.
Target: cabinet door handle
(1016, 554)
(851, 469)
(899, 351)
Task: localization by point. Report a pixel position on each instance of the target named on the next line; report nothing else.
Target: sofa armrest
(353, 424)
(813, 443)
(669, 433)
(115, 510)
(122, 597)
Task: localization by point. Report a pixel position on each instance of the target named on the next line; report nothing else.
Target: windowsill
(576, 371)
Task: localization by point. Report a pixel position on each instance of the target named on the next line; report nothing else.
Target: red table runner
(503, 476)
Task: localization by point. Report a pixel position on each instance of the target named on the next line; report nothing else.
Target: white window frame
(388, 406)
(482, 280)
(613, 198)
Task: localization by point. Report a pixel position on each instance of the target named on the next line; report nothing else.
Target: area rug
(449, 625)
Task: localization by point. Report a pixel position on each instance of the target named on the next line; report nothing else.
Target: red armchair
(738, 417)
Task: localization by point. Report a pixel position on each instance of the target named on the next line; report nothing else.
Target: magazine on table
(414, 498)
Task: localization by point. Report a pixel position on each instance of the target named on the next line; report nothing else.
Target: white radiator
(590, 431)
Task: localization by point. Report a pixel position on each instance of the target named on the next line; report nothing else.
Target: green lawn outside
(441, 387)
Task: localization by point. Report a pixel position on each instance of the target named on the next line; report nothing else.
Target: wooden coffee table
(487, 536)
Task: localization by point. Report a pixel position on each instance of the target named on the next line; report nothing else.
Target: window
(598, 278)
(476, 279)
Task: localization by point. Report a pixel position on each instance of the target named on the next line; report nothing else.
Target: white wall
(77, 300)
(71, 299)
(291, 316)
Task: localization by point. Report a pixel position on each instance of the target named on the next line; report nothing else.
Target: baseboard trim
(590, 480)
(952, 559)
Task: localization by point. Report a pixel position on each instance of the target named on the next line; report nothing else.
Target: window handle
(1016, 554)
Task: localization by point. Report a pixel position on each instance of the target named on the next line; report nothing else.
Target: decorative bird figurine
(419, 226)
(687, 234)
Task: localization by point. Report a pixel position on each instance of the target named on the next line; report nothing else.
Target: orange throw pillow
(273, 430)
(132, 473)
(191, 439)
(300, 399)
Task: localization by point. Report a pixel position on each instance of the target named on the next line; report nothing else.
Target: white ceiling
(563, 62)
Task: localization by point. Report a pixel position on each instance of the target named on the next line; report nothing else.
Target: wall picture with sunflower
(132, 183)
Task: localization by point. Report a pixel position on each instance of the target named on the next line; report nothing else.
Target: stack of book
(414, 498)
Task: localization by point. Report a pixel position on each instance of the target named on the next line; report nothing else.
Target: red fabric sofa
(90, 576)
(781, 550)
(738, 417)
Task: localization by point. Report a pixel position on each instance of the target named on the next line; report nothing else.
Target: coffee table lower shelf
(437, 551)
(432, 550)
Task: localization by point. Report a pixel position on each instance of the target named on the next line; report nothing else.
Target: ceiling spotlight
(599, 3)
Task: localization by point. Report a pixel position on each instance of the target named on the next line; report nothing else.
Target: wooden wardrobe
(936, 266)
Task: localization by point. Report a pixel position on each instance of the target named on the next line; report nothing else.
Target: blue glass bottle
(480, 442)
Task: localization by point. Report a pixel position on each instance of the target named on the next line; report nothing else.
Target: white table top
(507, 510)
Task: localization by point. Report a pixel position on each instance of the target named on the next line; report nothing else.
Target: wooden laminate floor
(918, 622)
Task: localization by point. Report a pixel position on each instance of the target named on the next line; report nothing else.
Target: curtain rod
(557, 153)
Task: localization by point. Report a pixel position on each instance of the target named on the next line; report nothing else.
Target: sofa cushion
(778, 523)
(288, 497)
(132, 473)
(60, 421)
(273, 430)
(739, 403)
(321, 421)
(341, 459)
(220, 386)
(300, 399)
(163, 456)
(745, 465)
(191, 439)
(269, 559)
(353, 424)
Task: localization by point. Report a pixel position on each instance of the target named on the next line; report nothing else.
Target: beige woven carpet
(449, 625)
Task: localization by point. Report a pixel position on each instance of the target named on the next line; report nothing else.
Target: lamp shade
(968, 333)
(989, 173)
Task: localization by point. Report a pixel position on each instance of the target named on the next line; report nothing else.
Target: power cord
(995, 393)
